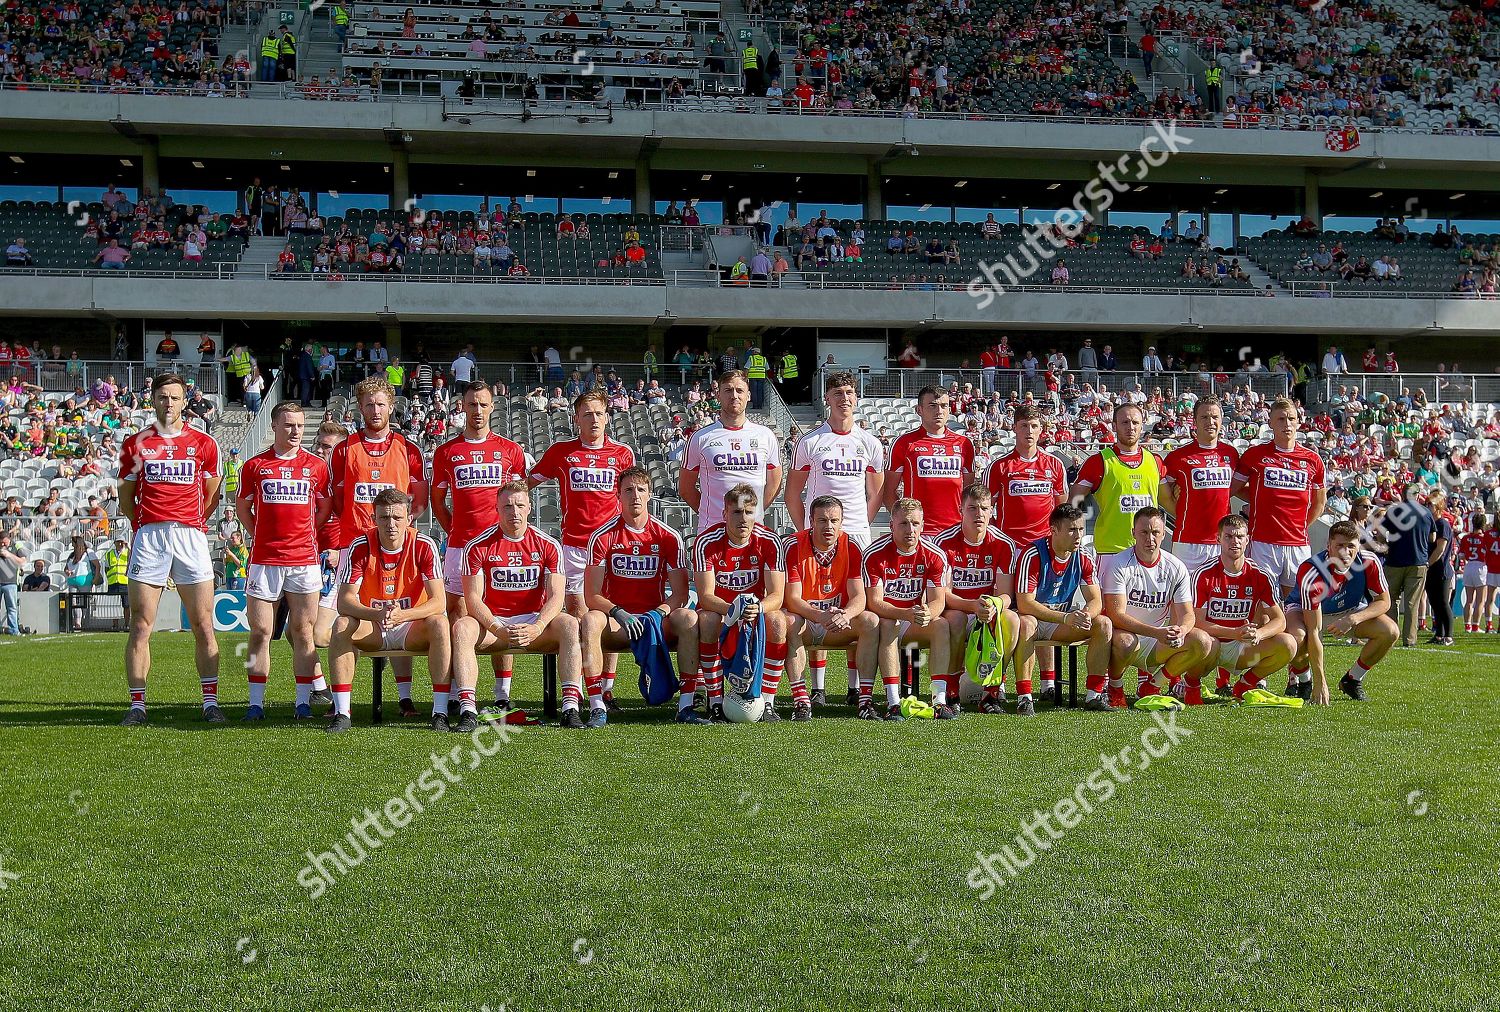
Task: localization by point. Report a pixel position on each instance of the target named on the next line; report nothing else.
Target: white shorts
(1279, 562)
(1195, 557)
(574, 562)
(1475, 574)
(268, 583)
(453, 570)
(860, 538)
(395, 638)
(515, 620)
(1045, 630)
(1140, 655)
(1228, 655)
(162, 550)
(1493, 579)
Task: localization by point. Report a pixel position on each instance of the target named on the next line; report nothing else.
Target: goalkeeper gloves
(633, 626)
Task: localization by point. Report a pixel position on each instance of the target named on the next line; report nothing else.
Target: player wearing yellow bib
(1123, 479)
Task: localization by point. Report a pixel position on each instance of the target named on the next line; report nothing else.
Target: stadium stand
(72, 236)
(110, 45)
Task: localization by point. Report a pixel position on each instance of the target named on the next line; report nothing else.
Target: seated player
(1050, 578)
(1341, 591)
(1236, 605)
(904, 588)
(636, 564)
(513, 599)
(738, 568)
(981, 563)
(825, 598)
(1148, 596)
(390, 598)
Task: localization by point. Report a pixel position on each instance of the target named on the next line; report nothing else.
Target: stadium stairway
(1259, 279)
(261, 252)
(320, 56)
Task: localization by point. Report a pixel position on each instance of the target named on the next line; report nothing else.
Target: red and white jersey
(738, 569)
(285, 493)
(1492, 550)
(1149, 591)
(169, 472)
(932, 469)
(1232, 599)
(1025, 493)
(836, 464)
(515, 569)
(588, 480)
(1473, 547)
(1202, 476)
(637, 563)
(1280, 492)
(972, 569)
(904, 578)
(722, 458)
(472, 471)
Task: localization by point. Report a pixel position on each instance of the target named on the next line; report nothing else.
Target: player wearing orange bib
(365, 463)
(825, 599)
(390, 598)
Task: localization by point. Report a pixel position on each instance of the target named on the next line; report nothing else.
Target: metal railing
(906, 383)
(65, 376)
(258, 434)
(1437, 388)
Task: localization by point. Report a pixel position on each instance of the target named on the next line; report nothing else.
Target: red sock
(1094, 683)
(1145, 687)
(770, 681)
(1222, 682)
(1194, 691)
(1023, 686)
(1245, 684)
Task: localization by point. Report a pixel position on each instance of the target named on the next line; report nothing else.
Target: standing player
(513, 602)
(1286, 488)
(169, 486)
(931, 463)
(1195, 483)
(390, 598)
(842, 460)
(905, 577)
(1237, 605)
(587, 471)
(1472, 560)
(371, 460)
(1026, 484)
(1340, 591)
(1492, 570)
(637, 565)
(285, 497)
(981, 563)
(1053, 574)
(330, 435)
(825, 600)
(1148, 596)
(730, 452)
(1123, 478)
(739, 568)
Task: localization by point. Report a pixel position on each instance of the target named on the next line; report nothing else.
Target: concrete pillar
(1099, 211)
(643, 203)
(400, 177)
(874, 195)
(1310, 203)
(393, 340)
(151, 165)
(1234, 229)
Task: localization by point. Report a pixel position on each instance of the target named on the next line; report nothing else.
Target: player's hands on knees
(1079, 619)
(631, 624)
(837, 621)
(1175, 634)
(522, 635)
(1338, 627)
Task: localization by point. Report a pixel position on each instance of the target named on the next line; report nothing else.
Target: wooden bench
(911, 677)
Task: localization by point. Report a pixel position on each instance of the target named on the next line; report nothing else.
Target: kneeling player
(513, 599)
(1148, 595)
(390, 598)
(981, 563)
(825, 598)
(1050, 578)
(1236, 605)
(904, 581)
(738, 568)
(636, 564)
(1340, 591)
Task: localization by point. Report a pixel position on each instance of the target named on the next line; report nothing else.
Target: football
(743, 711)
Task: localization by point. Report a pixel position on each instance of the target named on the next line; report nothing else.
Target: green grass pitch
(1345, 858)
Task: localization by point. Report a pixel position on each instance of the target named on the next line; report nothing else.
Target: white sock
(341, 694)
(319, 683)
(304, 691)
(502, 687)
(257, 690)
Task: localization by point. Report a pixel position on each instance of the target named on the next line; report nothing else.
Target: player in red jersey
(513, 603)
(169, 486)
(1473, 562)
(904, 587)
(825, 600)
(1057, 586)
(1195, 486)
(330, 435)
(284, 498)
(637, 565)
(390, 598)
(981, 563)
(1237, 604)
(1287, 489)
(587, 471)
(738, 566)
(1492, 570)
(1026, 484)
(930, 463)
(370, 460)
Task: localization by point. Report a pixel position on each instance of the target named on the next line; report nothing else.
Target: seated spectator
(537, 399)
(1060, 275)
(635, 254)
(1322, 260)
(951, 253)
(565, 228)
(483, 255)
(286, 260)
(1138, 248)
(990, 228)
(37, 579)
(1156, 249)
(893, 246)
(1192, 233)
(192, 252)
(557, 402)
(17, 254)
(911, 245)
